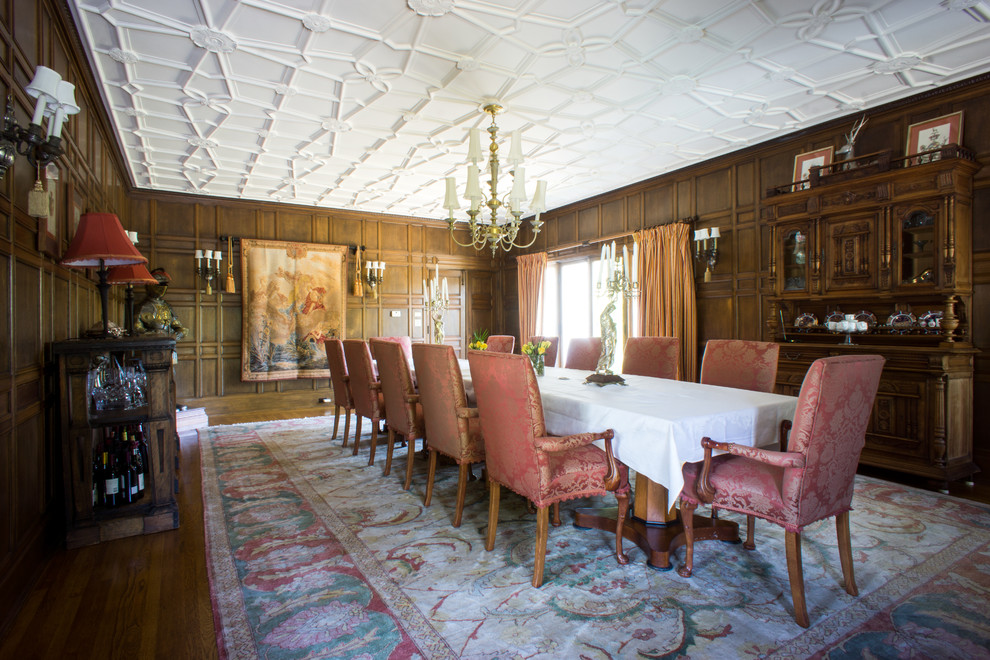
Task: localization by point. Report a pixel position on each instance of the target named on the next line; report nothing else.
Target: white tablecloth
(658, 423)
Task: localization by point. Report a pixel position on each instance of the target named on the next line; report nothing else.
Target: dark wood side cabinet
(889, 241)
(82, 430)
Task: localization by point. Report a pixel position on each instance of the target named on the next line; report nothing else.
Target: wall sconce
(374, 275)
(705, 253)
(209, 270)
(56, 100)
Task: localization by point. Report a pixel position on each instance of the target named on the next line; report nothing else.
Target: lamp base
(601, 380)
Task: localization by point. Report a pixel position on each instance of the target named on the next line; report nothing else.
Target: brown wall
(726, 192)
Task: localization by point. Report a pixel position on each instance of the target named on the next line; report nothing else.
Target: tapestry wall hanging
(293, 298)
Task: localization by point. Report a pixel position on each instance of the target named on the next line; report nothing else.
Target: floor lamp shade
(101, 242)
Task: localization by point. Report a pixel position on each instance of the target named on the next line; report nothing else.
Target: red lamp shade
(101, 241)
(131, 274)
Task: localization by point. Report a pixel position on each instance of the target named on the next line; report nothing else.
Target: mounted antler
(847, 149)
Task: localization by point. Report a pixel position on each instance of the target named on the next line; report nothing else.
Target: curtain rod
(612, 237)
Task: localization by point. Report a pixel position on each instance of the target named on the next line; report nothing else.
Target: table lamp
(130, 275)
(101, 242)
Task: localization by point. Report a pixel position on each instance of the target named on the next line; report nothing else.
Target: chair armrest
(412, 398)
(785, 429)
(782, 459)
(467, 413)
(375, 386)
(552, 443)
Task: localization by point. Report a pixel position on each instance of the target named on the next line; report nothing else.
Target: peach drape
(531, 268)
(666, 301)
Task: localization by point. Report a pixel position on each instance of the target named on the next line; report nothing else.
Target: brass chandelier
(500, 229)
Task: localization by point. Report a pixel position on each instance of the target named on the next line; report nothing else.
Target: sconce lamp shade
(131, 274)
(101, 241)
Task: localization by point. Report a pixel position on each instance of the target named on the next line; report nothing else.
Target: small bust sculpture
(156, 315)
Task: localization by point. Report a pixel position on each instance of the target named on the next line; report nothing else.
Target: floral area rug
(314, 554)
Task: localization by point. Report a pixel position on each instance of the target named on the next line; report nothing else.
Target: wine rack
(83, 428)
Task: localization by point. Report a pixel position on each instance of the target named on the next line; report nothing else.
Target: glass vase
(538, 363)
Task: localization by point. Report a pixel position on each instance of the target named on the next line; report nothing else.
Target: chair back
(746, 365)
(441, 393)
(338, 373)
(583, 353)
(501, 343)
(358, 357)
(405, 341)
(652, 356)
(550, 357)
(403, 416)
(833, 411)
(511, 413)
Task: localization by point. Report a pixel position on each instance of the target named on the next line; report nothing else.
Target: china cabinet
(89, 424)
(887, 241)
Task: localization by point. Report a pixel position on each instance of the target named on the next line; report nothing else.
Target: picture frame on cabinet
(804, 162)
(933, 134)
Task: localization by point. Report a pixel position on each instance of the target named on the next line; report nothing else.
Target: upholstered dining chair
(403, 414)
(522, 457)
(746, 365)
(365, 390)
(652, 356)
(583, 353)
(453, 428)
(340, 382)
(550, 357)
(501, 343)
(811, 480)
(404, 341)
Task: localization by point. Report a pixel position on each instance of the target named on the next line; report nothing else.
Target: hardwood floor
(148, 596)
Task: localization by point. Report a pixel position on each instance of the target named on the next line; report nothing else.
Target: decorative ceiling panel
(368, 104)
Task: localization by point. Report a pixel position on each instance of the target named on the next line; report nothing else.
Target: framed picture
(48, 225)
(933, 134)
(804, 162)
(74, 204)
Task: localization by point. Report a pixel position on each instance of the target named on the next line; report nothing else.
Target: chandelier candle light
(435, 303)
(374, 275)
(501, 228)
(615, 277)
(704, 253)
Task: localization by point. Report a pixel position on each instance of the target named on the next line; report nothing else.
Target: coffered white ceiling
(366, 104)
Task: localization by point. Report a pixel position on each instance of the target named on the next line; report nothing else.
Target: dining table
(658, 425)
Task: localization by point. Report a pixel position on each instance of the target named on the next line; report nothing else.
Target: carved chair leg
(687, 516)
(796, 573)
(462, 479)
(388, 453)
(845, 553)
(374, 440)
(542, 518)
(336, 420)
(347, 426)
(431, 473)
(410, 455)
(556, 514)
(357, 435)
(494, 492)
(750, 544)
(622, 496)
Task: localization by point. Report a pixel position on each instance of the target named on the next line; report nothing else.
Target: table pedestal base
(658, 541)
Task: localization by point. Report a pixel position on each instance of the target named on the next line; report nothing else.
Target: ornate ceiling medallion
(896, 64)
(431, 7)
(212, 40)
(316, 23)
(334, 125)
(123, 56)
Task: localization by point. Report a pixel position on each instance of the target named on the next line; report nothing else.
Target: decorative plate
(869, 317)
(901, 320)
(806, 320)
(930, 320)
(835, 316)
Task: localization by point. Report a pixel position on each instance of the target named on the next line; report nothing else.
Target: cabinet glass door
(917, 248)
(794, 260)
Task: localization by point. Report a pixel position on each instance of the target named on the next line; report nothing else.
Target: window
(572, 308)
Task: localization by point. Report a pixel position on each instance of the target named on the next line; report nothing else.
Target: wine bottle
(138, 461)
(142, 446)
(111, 484)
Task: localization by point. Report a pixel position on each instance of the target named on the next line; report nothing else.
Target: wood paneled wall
(726, 192)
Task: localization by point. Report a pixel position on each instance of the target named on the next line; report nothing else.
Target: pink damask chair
(403, 414)
(550, 357)
(365, 390)
(520, 455)
(658, 357)
(810, 481)
(404, 341)
(746, 365)
(453, 428)
(583, 353)
(501, 343)
(341, 384)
